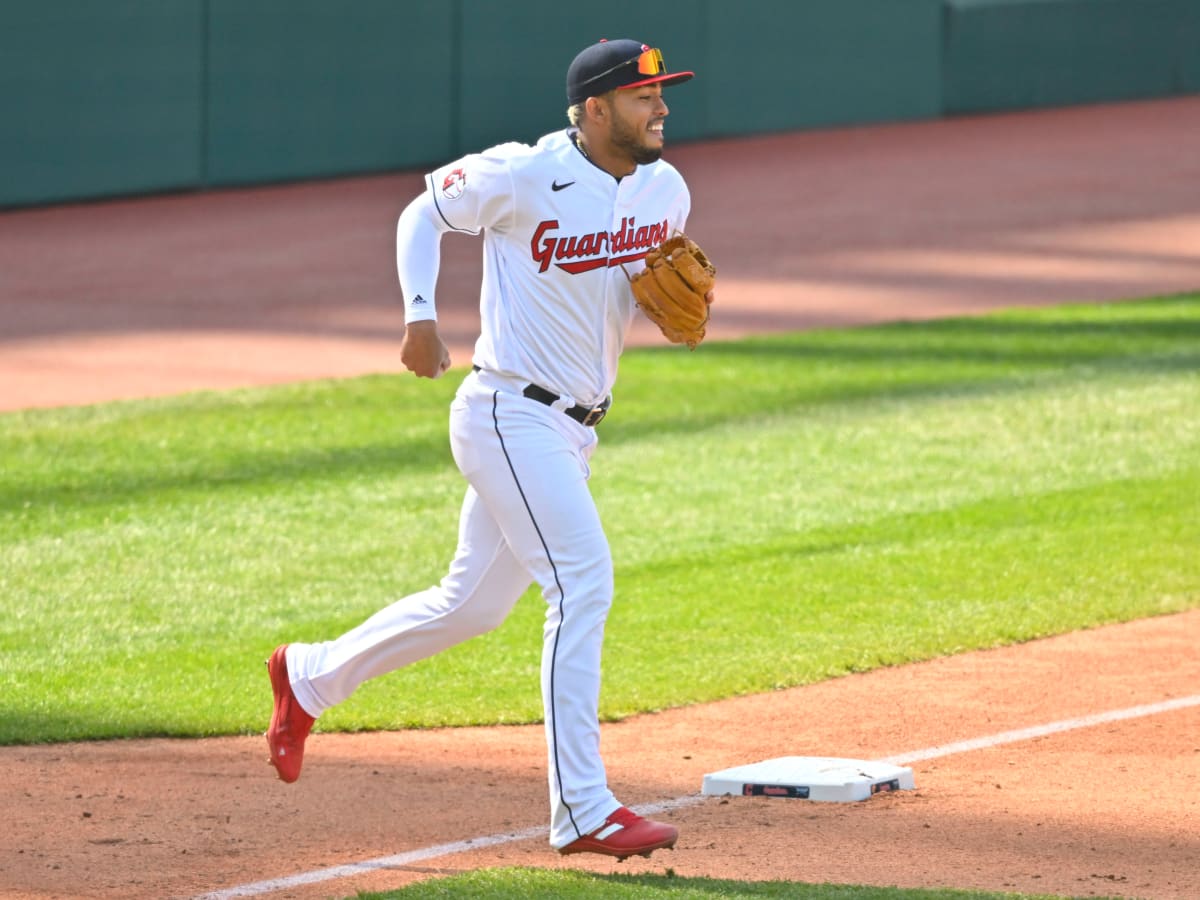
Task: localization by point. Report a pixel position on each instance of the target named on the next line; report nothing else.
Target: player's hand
(710, 296)
(422, 350)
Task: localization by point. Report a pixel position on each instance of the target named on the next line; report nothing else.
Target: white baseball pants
(527, 516)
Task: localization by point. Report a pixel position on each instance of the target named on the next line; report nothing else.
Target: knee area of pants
(596, 573)
(596, 604)
(478, 621)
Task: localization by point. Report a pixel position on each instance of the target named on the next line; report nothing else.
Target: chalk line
(315, 876)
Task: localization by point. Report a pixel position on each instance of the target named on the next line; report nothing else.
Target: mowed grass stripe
(781, 510)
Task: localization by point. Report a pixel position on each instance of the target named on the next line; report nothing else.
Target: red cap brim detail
(664, 80)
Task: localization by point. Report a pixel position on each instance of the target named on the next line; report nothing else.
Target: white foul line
(403, 859)
(1025, 734)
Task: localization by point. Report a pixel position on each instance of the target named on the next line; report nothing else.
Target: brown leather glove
(671, 289)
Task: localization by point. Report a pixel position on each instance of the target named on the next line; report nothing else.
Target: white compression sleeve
(419, 257)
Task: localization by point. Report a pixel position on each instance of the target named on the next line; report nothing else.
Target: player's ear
(596, 107)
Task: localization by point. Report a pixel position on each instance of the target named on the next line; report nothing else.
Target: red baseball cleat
(623, 834)
(290, 724)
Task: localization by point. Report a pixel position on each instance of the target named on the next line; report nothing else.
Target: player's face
(637, 122)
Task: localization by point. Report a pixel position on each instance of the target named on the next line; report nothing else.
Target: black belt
(584, 415)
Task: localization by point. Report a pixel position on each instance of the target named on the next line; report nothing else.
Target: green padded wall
(762, 65)
(131, 96)
(98, 98)
(515, 58)
(1017, 54)
(309, 88)
(781, 64)
(1186, 49)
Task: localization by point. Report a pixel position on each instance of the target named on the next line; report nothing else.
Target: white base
(820, 778)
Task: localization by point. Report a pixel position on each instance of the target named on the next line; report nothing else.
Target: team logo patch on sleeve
(454, 184)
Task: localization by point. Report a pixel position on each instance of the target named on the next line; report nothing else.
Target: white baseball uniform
(555, 309)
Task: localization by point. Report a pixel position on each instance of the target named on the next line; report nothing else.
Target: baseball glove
(671, 289)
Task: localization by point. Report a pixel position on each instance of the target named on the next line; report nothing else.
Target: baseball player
(560, 220)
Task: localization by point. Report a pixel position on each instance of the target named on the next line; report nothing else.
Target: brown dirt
(231, 288)
(156, 296)
(1106, 810)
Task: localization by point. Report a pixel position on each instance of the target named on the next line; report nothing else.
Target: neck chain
(578, 139)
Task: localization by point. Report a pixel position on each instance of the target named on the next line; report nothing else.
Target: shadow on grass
(972, 356)
(732, 382)
(26, 728)
(999, 339)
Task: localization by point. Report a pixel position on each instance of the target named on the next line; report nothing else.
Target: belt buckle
(592, 419)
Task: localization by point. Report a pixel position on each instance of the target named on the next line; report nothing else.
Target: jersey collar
(573, 137)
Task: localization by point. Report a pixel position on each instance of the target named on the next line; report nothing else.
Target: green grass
(537, 884)
(781, 511)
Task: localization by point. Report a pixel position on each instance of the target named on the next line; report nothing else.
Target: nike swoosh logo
(555, 186)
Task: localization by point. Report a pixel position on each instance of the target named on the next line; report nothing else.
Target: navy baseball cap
(608, 65)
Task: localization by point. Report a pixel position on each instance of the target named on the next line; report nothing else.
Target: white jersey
(555, 311)
(555, 303)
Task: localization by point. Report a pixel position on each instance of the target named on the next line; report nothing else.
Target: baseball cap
(607, 65)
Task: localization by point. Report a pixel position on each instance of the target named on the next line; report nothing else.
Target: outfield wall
(134, 96)
(1018, 54)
